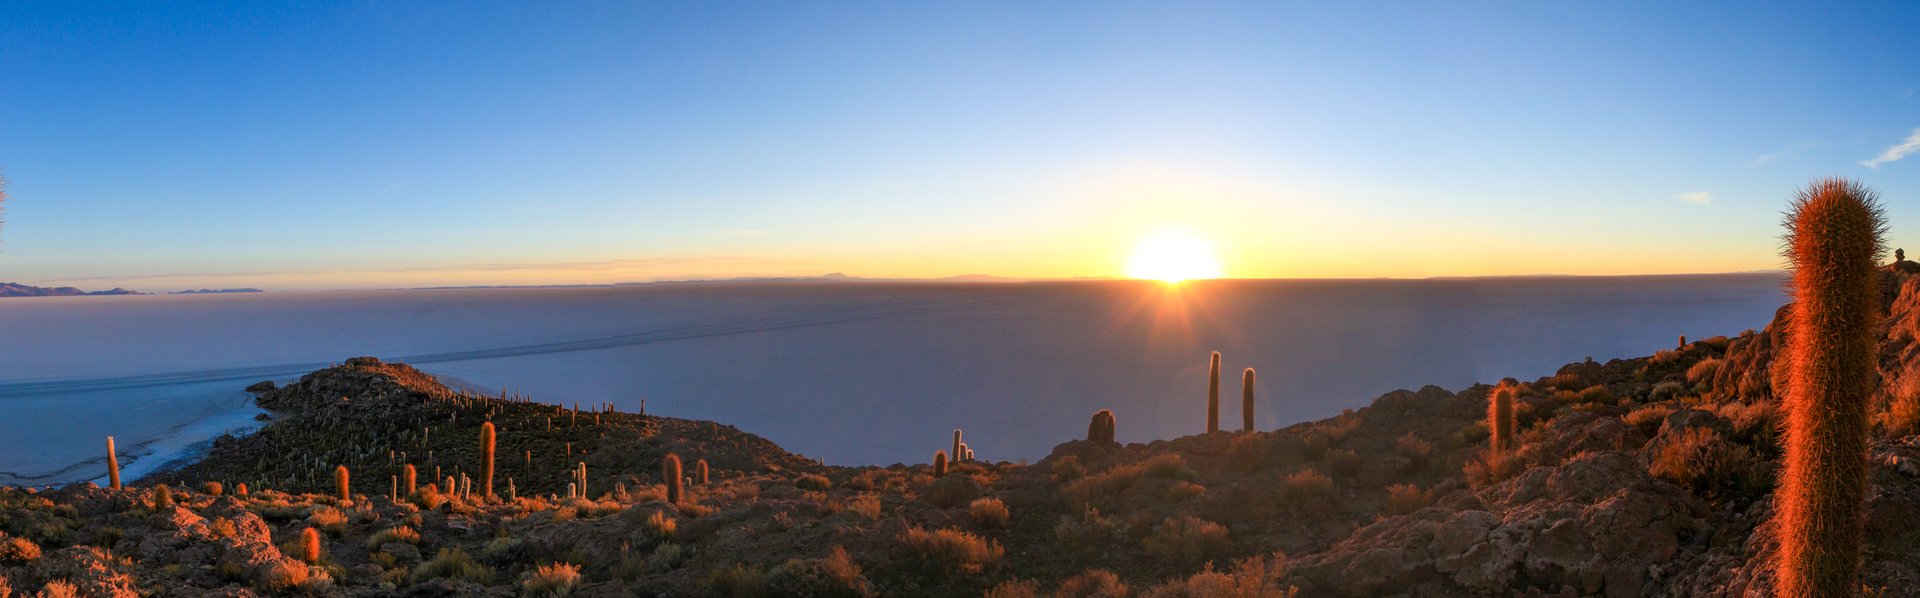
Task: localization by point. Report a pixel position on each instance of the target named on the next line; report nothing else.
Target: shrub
(1014, 588)
(453, 563)
(1307, 490)
(162, 497)
(1704, 370)
(1250, 578)
(551, 580)
(283, 576)
(1187, 540)
(328, 519)
(1403, 499)
(1699, 459)
(1666, 391)
(658, 527)
(1089, 533)
(1093, 583)
(59, 588)
(1417, 451)
(1340, 428)
(1067, 469)
(739, 579)
(666, 557)
(1493, 467)
(1649, 418)
(952, 551)
(18, 550)
(222, 527)
(212, 488)
(834, 576)
(1169, 466)
(1342, 462)
(813, 482)
(866, 504)
(401, 534)
(989, 512)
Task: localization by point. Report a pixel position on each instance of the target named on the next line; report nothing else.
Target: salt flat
(852, 372)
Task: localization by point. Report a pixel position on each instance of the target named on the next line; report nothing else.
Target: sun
(1172, 258)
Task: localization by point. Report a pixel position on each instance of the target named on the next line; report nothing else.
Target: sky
(319, 145)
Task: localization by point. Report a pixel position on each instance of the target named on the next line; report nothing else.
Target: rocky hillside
(1641, 477)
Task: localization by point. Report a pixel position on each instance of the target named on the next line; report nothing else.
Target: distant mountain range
(11, 289)
(215, 291)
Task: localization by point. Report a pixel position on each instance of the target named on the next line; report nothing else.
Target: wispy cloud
(1696, 197)
(1911, 145)
(1785, 152)
(392, 187)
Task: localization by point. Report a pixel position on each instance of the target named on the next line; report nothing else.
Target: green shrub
(551, 580)
(952, 551)
(835, 576)
(453, 563)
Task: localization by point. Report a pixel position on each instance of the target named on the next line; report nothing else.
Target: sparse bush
(1168, 466)
(1340, 428)
(401, 534)
(1666, 391)
(212, 488)
(59, 588)
(1342, 462)
(813, 482)
(1700, 460)
(739, 580)
(659, 528)
(1407, 498)
(1093, 583)
(1649, 418)
(283, 576)
(1251, 578)
(1704, 370)
(989, 512)
(1307, 490)
(453, 563)
(866, 504)
(666, 557)
(222, 527)
(952, 551)
(551, 580)
(1088, 533)
(328, 519)
(18, 550)
(1014, 588)
(1493, 467)
(1067, 469)
(835, 576)
(1417, 451)
(1187, 540)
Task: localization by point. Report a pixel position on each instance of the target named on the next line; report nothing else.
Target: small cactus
(1246, 400)
(113, 466)
(939, 464)
(1683, 342)
(670, 473)
(1834, 232)
(310, 546)
(240, 489)
(1899, 255)
(486, 458)
(700, 472)
(1500, 417)
(1100, 430)
(1213, 394)
(956, 443)
(340, 480)
(412, 478)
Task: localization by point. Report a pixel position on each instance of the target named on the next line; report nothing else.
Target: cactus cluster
(1834, 232)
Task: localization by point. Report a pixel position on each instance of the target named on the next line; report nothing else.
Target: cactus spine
(1213, 394)
(340, 479)
(939, 464)
(670, 473)
(1500, 419)
(1834, 230)
(113, 466)
(486, 459)
(1246, 401)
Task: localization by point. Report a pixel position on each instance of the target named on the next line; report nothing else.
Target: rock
(262, 386)
(404, 553)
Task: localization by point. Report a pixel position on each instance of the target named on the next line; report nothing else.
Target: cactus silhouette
(1213, 394)
(1100, 430)
(486, 458)
(113, 466)
(939, 464)
(1500, 419)
(700, 472)
(1834, 230)
(956, 443)
(1246, 401)
(340, 479)
(412, 478)
(670, 472)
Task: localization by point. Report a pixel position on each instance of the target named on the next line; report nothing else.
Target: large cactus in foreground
(670, 473)
(1500, 417)
(1246, 400)
(1834, 231)
(1213, 394)
(341, 482)
(113, 465)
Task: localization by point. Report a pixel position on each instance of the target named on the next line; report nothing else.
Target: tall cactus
(113, 466)
(412, 478)
(1246, 401)
(310, 546)
(939, 464)
(340, 479)
(956, 443)
(670, 473)
(1100, 430)
(700, 472)
(486, 459)
(1834, 231)
(1213, 394)
(1500, 418)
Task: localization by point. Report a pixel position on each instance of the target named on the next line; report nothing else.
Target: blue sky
(335, 145)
